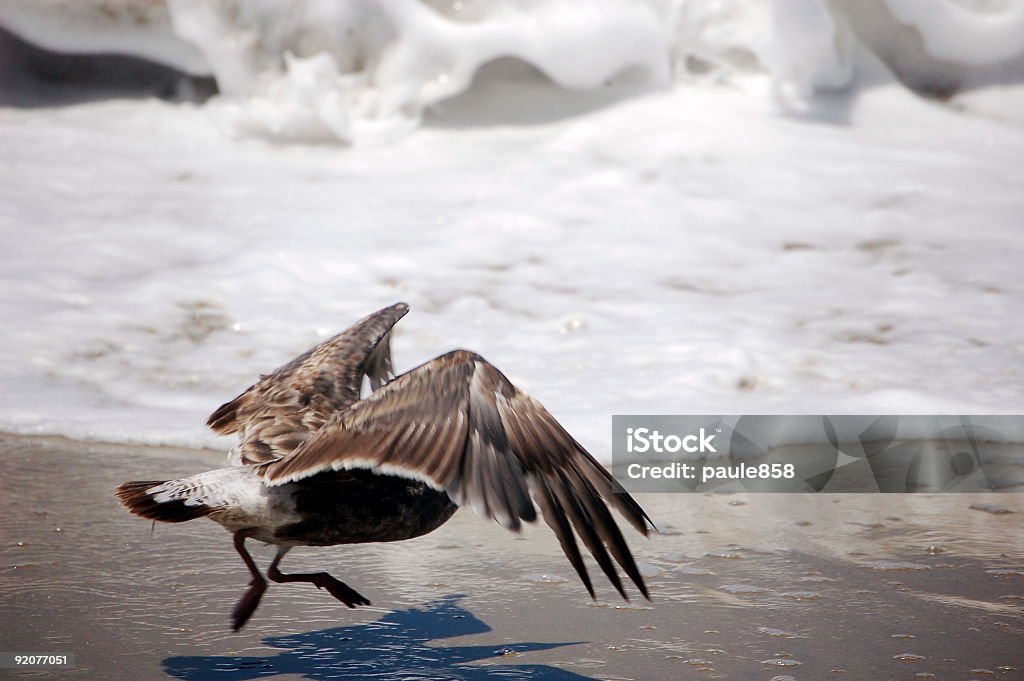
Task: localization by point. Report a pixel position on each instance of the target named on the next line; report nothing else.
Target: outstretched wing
(458, 424)
(281, 410)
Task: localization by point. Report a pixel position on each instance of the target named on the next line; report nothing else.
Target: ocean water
(640, 207)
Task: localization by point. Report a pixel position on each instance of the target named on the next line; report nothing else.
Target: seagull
(318, 464)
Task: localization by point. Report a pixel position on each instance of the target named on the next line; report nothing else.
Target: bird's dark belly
(358, 506)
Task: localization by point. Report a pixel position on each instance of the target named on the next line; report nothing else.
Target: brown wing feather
(460, 425)
(281, 410)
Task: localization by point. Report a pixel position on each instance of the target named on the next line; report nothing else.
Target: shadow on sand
(394, 647)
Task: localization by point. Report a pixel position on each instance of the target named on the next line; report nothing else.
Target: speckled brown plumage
(458, 424)
(277, 413)
(319, 466)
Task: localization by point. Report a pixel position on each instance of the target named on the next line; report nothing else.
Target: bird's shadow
(393, 647)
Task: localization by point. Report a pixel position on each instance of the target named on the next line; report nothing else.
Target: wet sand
(744, 586)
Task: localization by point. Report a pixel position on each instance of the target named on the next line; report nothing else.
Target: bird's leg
(248, 603)
(321, 580)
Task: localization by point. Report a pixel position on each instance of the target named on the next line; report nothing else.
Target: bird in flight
(319, 465)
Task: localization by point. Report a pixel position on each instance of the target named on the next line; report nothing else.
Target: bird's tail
(149, 499)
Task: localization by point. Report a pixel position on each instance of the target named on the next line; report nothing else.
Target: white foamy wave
(135, 27)
(306, 69)
(671, 246)
(971, 33)
(319, 69)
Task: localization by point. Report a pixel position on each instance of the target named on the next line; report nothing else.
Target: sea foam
(308, 70)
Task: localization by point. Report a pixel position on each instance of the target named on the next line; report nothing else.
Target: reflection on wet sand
(744, 586)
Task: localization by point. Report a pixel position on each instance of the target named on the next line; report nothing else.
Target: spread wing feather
(281, 410)
(458, 424)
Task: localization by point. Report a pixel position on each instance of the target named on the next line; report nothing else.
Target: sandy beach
(744, 586)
